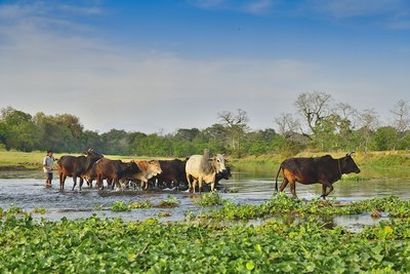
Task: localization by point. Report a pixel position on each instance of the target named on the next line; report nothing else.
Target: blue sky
(166, 64)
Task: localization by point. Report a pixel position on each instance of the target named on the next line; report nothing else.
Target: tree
(287, 124)
(314, 107)
(401, 112)
(18, 130)
(236, 125)
(187, 134)
(385, 138)
(369, 122)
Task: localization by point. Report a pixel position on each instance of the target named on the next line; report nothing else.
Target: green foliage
(119, 206)
(284, 205)
(171, 201)
(209, 199)
(64, 133)
(39, 210)
(140, 204)
(115, 246)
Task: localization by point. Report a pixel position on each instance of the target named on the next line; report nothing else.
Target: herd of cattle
(196, 169)
(181, 174)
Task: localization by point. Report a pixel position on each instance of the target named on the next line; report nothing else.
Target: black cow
(76, 166)
(173, 173)
(324, 170)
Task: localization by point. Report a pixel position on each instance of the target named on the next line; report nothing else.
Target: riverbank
(374, 165)
(18, 160)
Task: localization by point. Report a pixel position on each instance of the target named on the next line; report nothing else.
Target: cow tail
(276, 180)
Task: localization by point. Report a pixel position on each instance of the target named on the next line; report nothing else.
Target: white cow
(202, 168)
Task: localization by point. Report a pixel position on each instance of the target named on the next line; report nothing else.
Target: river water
(26, 190)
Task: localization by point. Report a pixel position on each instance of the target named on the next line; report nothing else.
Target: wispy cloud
(82, 10)
(258, 7)
(245, 6)
(353, 8)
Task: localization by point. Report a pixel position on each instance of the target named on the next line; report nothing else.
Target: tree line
(319, 123)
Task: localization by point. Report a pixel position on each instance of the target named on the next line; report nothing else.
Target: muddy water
(26, 190)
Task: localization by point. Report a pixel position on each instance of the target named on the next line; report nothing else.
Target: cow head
(154, 167)
(92, 157)
(219, 163)
(348, 165)
(226, 174)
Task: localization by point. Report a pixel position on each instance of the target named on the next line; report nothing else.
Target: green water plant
(170, 201)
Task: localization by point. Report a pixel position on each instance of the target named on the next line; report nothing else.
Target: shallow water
(26, 190)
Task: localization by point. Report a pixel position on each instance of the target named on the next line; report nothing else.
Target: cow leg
(100, 183)
(330, 190)
(326, 185)
(81, 182)
(213, 185)
(61, 181)
(293, 189)
(200, 184)
(75, 181)
(194, 186)
(323, 191)
(116, 183)
(189, 183)
(283, 185)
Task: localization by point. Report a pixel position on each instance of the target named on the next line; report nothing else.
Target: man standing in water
(48, 167)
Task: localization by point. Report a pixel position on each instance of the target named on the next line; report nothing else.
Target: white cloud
(259, 6)
(246, 6)
(352, 8)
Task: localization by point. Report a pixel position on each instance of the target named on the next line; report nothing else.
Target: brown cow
(148, 169)
(324, 170)
(113, 171)
(76, 166)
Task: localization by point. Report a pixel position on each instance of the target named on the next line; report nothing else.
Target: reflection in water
(21, 190)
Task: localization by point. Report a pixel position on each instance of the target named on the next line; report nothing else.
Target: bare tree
(287, 124)
(346, 112)
(369, 122)
(236, 125)
(314, 107)
(401, 113)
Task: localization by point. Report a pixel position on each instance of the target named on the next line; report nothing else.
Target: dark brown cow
(324, 170)
(76, 166)
(173, 172)
(113, 171)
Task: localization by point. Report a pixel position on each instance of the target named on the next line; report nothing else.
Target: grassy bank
(384, 164)
(17, 160)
